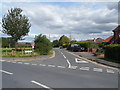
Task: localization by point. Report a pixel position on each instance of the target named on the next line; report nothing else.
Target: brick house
(116, 37)
(108, 40)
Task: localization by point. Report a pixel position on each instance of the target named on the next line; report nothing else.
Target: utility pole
(70, 37)
(49, 36)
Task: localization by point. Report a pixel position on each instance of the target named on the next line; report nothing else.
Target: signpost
(33, 45)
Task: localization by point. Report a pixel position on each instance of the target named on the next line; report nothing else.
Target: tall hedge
(113, 52)
(42, 45)
(85, 44)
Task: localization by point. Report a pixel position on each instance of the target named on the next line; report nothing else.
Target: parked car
(60, 47)
(75, 48)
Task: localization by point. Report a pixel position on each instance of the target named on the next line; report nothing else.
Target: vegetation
(85, 44)
(13, 52)
(15, 25)
(112, 52)
(55, 43)
(42, 45)
(5, 42)
(64, 41)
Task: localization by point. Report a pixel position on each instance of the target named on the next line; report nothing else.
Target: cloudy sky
(81, 20)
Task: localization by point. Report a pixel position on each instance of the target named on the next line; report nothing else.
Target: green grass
(20, 53)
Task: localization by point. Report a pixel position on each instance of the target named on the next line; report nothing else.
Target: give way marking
(80, 61)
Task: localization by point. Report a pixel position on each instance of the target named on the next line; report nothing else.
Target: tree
(64, 41)
(42, 45)
(5, 42)
(15, 24)
(55, 43)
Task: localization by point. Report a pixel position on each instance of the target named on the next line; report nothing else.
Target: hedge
(113, 52)
(85, 44)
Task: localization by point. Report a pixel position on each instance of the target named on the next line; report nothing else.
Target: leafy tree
(5, 42)
(64, 40)
(55, 43)
(42, 44)
(15, 24)
(73, 41)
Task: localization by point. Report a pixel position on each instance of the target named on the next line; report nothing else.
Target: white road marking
(2, 60)
(61, 66)
(42, 65)
(68, 63)
(34, 64)
(27, 63)
(110, 71)
(61, 53)
(73, 67)
(80, 61)
(13, 62)
(64, 56)
(42, 85)
(51, 65)
(19, 62)
(85, 68)
(8, 61)
(97, 69)
(6, 72)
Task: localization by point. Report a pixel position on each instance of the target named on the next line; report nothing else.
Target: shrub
(113, 52)
(42, 45)
(85, 44)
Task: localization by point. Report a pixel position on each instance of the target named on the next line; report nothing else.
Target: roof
(108, 39)
(117, 28)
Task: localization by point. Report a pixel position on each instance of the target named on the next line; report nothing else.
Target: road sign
(33, 43)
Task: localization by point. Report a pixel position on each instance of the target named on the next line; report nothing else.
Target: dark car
(75, 48)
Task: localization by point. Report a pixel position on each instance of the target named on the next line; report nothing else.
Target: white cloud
(55, 20)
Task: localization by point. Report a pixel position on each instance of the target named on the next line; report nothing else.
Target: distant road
(62, 71)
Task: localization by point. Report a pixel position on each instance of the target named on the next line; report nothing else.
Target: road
(63, 71)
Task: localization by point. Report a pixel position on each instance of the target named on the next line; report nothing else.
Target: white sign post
(33, 45)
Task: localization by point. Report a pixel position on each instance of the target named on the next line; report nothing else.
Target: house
(96, 41)
(116, 37)
(108, 40)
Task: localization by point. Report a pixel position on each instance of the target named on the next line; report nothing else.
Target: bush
(113, 52)
(85, 44)
(42, 45)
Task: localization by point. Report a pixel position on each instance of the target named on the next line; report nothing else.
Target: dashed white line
(19, 62)
(42, 85)
(97, 69)
(73, 67)
(2, 60)
(110, 71)
(6, 72)
(61, 66)
(27, 63)
(33, 64)
(8, 61)
(85, 68)
(51, 65)
(42, 65)
(13, 62)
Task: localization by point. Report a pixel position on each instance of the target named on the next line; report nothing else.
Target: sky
(80, 20)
